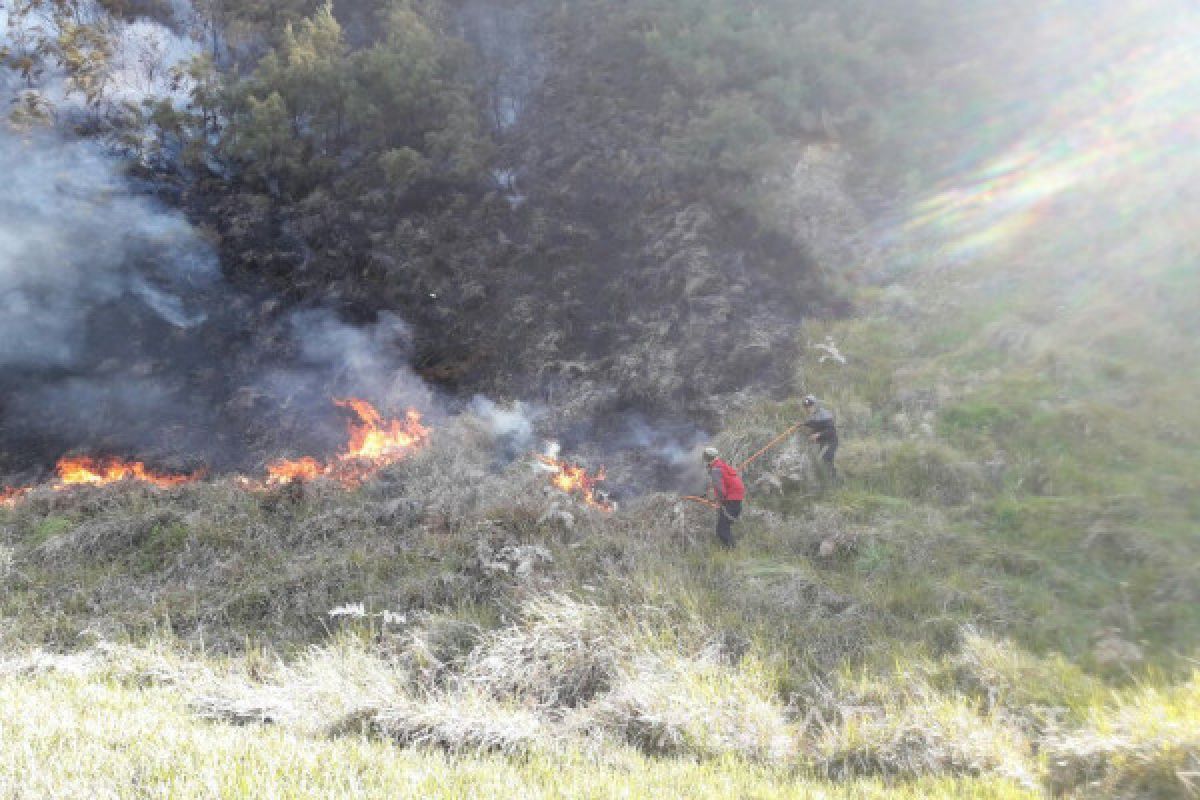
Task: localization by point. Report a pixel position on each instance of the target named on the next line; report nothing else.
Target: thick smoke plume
(119, 335)
(73, 241)
(98, 287)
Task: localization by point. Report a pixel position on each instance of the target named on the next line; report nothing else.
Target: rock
(793, 467)
(520, 561)
(837, 544)
(527, 558)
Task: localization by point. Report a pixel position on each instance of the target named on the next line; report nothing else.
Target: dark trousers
(729, 512)
(828, 451)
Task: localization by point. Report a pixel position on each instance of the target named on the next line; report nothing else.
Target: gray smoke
(73, 240)
(140, 66)
(328, 358)
(104, 296)
(513, 426)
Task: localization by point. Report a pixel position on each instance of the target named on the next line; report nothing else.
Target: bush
(1002, 675)
(315, 694)
(922, 470)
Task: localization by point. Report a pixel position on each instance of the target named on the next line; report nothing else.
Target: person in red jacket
(729, 491)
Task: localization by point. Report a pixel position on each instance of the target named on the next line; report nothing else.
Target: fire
(302, 469)
(85, 470)
(574, 479)
(90, 471)
(376, 440)
(11, 495)
(374, 443)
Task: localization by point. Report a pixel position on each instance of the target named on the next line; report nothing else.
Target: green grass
(94, 733)
(1019, 494)
(48, 528)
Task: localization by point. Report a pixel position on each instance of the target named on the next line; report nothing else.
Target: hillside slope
(1001, 598)
(1002, 593)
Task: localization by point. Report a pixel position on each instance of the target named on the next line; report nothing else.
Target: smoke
(101, 291)
(325, 358)
(502, 36)
(72, 239)
(119, 334)
(669, 451)
(140, 62)
(512, 427)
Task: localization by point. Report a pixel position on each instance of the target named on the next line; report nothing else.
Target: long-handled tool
(702, 501)
(767, 448)
(771, 444)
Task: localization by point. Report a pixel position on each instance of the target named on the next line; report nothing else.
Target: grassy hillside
(1001, 598)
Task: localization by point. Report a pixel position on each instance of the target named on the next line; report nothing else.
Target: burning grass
(85, 470)
(375, 442)
(75, 471)
(575, 480)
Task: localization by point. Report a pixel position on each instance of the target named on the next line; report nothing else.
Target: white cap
(710, 453)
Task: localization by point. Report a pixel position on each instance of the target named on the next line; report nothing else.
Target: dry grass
(1146, 744)
(458, 722)
(672, 705)
(561, 654)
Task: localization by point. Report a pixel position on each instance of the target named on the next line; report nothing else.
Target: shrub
(930, 737)
(316, 693)
(1004, 676)
(924, 470)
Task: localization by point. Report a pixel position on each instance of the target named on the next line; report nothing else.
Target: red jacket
(726, 481)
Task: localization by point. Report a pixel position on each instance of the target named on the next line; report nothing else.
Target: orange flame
(88, 471)
(301, 469)
(374, 443)
(85, 470)
(574, 479)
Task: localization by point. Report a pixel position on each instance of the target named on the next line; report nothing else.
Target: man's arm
(822, 426)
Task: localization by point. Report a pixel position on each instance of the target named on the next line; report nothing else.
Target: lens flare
(1104, 107)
